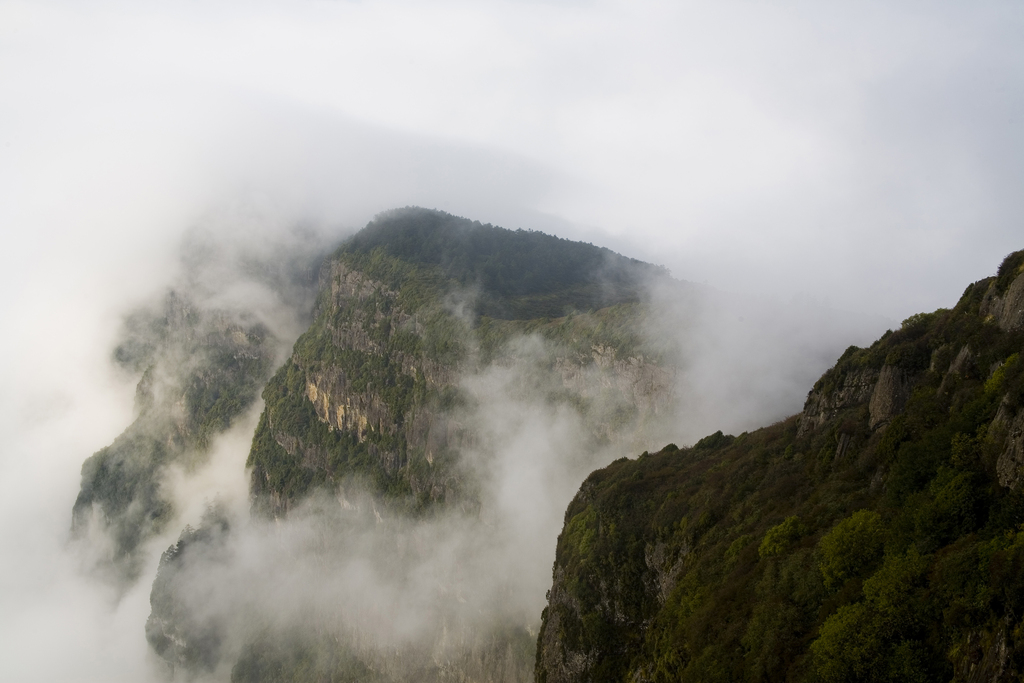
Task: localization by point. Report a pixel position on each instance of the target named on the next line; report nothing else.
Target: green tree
(853, 547)
(780, 537)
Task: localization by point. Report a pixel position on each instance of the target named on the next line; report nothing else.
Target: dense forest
(514, 274)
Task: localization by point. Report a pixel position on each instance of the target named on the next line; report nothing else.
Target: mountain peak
(516, 274)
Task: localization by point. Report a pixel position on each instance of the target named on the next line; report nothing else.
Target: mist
(463, 587)
(823, 172)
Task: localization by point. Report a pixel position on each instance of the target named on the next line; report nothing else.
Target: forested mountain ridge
(876, 536)
(515, 274)
(371, 423)
(409, 305)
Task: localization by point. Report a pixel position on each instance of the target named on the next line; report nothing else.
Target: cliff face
(360, 396)
(875, 536)
(1004, 299)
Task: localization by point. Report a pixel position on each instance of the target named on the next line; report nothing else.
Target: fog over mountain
(825, 172)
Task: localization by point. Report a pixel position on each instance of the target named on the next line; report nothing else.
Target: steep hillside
(876, 536)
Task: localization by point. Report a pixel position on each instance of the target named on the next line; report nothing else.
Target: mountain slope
(875, 536)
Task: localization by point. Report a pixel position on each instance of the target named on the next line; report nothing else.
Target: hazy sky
(865, 155)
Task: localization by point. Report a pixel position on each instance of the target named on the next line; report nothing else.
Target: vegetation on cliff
(877, 536)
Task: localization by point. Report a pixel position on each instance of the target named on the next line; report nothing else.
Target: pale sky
(867, 155)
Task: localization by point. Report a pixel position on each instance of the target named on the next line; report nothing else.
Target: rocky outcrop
(823, 404)
(1010, 466)
(1006, 308)
(986, 656)
(360, 371)
(645, 384)
(636, 384)
(557, 660)
(886, 392)
(964, 365)
(340, 407)
(890, 395)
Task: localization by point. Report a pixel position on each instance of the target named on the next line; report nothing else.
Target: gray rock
(1010, 466)
(856, 388)
(892, 391)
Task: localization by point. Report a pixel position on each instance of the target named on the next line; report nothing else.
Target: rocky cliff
(874, 536)
(373, 388)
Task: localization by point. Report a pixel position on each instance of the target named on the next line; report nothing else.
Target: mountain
(378, 445)
(410, 305)
(875, 536)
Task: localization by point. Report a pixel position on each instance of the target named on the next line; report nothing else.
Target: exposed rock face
(337, 405)
(963, 366)
(963, 363)
(889, 396)
(986, 657)
(1010, 465)
(856, 388)
(1012, 314)
(362, 377)
(885, 391)
(1007, 308)
(638, 384)
(557, 663)
(645, 384)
